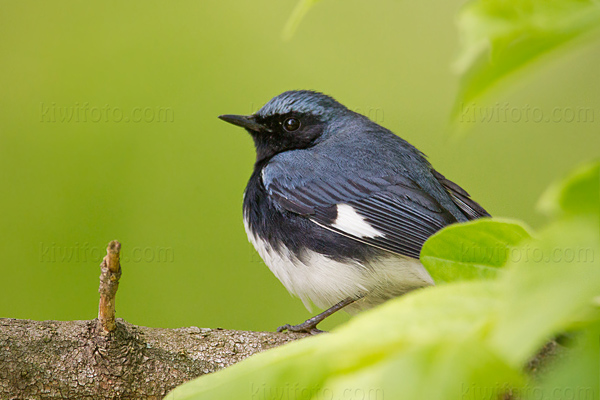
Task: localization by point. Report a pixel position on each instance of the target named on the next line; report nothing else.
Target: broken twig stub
(109, 283)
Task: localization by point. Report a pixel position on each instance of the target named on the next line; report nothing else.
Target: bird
(339, 207)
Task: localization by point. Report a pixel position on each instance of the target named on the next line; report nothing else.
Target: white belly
(323, 281)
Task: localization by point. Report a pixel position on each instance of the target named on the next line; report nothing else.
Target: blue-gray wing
(389, 212)
(470, 208)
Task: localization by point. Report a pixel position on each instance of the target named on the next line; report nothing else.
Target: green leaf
(501, 36)
(297, 16)
(579, 193)
(450, 341)
(422, 372)
(447, 323)
(551, 286)
(472, 250)
(467, 339)
(560, 270)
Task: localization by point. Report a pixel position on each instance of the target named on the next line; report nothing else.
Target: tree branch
(75, 359)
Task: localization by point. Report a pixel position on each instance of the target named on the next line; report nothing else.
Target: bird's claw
(302, 328)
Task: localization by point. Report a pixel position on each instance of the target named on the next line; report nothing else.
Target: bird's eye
(291, 124)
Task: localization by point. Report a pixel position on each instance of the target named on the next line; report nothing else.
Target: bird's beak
(245, 121)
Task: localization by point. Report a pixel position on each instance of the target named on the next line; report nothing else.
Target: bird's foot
(305, 327)
(310, 325)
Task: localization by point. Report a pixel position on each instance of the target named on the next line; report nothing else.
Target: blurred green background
(108, 130)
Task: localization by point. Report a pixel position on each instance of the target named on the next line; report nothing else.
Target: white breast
(323, 281)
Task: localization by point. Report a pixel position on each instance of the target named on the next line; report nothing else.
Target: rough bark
(74, 360)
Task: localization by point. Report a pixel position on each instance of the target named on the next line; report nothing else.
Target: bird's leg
(310, 325)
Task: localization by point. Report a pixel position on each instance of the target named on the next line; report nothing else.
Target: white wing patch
(349, 221)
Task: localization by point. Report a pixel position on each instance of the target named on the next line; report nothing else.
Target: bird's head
(293, 120)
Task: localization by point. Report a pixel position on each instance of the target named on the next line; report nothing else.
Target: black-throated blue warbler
(338, 207)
